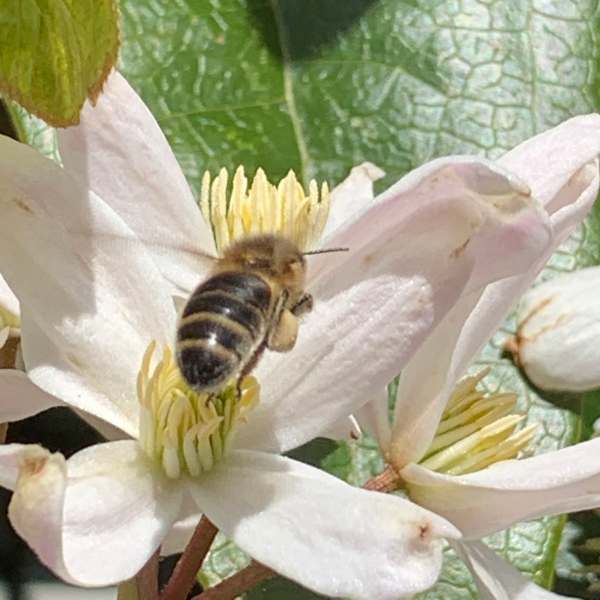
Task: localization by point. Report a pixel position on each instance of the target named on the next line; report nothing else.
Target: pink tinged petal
(456, 343)
(549, 160)
(490, 500)
(7, 299)
(352, 195)
(412, 255)
(89, 285)
(120, 153)
(313, 528)
(495, 578)
(20, 398)
(95, 519)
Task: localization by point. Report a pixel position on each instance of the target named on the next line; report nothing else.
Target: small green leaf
(56, 53)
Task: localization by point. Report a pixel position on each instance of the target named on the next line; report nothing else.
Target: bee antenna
(325, 250)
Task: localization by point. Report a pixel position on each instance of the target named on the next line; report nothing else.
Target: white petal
(49, 369)
(548, 161)
(179, 536)
(411, 256)
(495, 578)
(80, 272)
(119, 152)
(559, 331)
(373, 417)
(309, 526)
(7, 299)
(19, 398)
(344, 429)
(493, 499)
(352, 195)
(98, 517)
(454, 345)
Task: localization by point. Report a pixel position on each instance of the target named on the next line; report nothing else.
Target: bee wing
(181, 264)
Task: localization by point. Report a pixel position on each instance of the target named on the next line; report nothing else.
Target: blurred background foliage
(321, 85)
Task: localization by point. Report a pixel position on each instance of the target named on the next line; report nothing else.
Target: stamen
(184, 431)
(262, 207)
(476, 430)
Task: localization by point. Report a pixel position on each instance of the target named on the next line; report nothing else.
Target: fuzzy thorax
(477, 430)
(284, 209)
(184, 431)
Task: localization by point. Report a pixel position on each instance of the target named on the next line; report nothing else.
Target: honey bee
(250, 302)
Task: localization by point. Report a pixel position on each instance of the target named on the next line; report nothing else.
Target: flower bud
(558, 332)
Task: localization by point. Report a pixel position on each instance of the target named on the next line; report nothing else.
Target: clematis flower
(98, 250)
(9, 313)
(449, 444)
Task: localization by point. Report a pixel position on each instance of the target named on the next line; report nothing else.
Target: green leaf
(56, 53)
(321, 85)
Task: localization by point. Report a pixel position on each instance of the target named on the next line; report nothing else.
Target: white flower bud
(558, 332)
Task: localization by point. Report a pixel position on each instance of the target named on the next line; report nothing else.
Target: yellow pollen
(261, 207)
(476, 430)
(182, 430)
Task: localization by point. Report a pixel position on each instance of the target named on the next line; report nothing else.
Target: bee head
(272, 255)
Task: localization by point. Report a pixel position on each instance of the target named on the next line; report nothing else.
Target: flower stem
(237, 584)
(387, 481)
(147, 579)
(232, 587)
(188, 565)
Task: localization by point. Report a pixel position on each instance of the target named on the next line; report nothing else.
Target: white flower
(558, 332)
(561, 168)
(9, 312)
(95, 300)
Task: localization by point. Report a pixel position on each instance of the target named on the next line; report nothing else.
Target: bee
(251, 301)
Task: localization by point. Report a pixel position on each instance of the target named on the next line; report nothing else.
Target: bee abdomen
(222, 322)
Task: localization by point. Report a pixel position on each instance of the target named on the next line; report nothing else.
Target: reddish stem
(188, 565)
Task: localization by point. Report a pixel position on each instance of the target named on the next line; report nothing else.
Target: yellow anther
(476, 430)
(261, 207)
(183, 431)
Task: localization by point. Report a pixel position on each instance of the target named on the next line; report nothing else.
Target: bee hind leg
(249, 367)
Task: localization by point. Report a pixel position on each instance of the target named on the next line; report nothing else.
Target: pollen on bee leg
(477, 429)
(262, 207)
(183, 431)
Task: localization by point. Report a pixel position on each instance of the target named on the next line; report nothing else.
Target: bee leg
(282, 336)
(303, 306)
(249, 366)
(209, 399)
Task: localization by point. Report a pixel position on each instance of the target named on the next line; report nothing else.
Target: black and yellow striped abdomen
(222, 323)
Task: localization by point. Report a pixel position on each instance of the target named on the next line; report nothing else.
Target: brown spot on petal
(32, 465)
(460, 250)
(424, 531)
(20, 203)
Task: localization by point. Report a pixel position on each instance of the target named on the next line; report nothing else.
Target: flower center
(285, 209)
(477, 429)
(184, 431)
